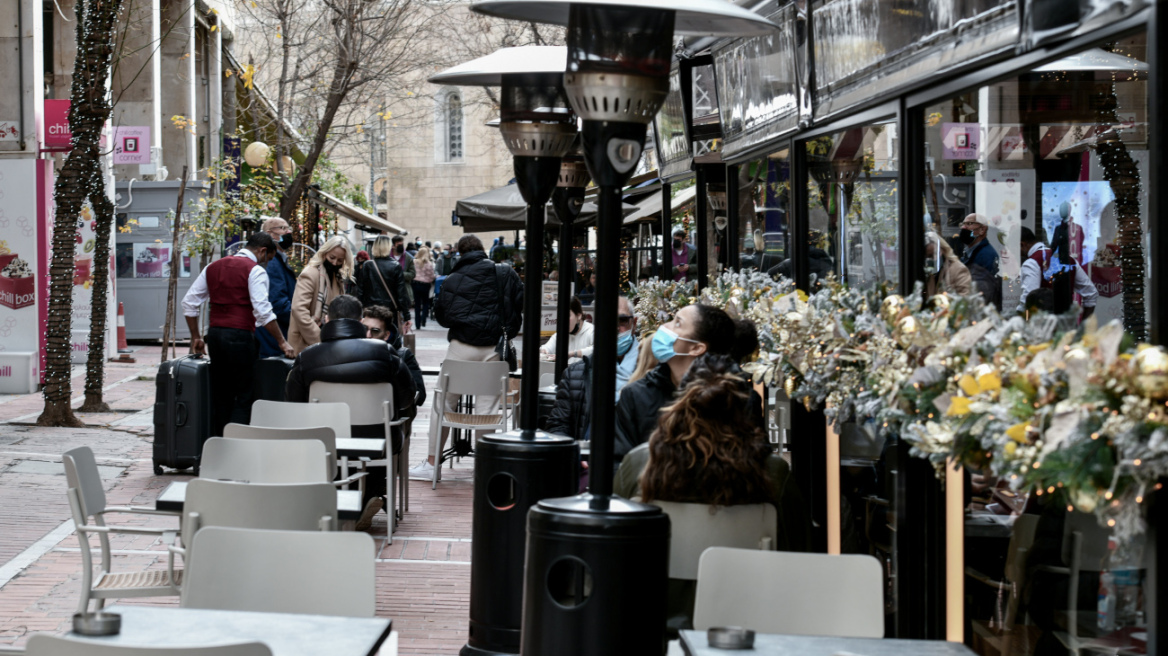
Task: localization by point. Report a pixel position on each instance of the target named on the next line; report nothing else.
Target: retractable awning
(354, 213)
(505, 209)
(650, 207)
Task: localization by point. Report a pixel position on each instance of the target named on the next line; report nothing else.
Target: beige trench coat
(313, 294)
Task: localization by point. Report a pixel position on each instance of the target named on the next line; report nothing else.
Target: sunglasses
(375, 331)
(625, 320)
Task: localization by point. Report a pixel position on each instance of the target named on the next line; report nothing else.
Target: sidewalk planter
(17, 373)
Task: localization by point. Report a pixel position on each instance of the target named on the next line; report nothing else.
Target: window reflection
(765, 200)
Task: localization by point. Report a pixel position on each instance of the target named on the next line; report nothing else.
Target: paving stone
(58, 469)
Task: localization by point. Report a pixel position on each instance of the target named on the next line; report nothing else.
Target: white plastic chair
(43, 644)
(697, 527)
(324, 434)
(87, 505)
(265, 461)
(282, 572)
(791, 593)
(278, 414)
(459, 378)
(547, 380)
(372, 403)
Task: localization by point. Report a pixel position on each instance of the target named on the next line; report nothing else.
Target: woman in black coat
(388, 290)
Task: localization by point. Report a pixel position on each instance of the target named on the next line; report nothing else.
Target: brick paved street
(423, 578)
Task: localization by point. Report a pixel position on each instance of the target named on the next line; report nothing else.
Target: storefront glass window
(1039, 186)
(764, 213)
(852, 204)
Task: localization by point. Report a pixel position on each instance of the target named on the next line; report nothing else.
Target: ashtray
(97, 624)
(730, 637)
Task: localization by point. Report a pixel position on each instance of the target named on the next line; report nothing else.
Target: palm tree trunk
(103, 211)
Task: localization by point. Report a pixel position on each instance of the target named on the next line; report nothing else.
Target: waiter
(1034, 276)
(237, 289)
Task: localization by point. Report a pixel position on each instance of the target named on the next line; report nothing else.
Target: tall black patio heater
(597, 565)
(514, 470)
(568, 200)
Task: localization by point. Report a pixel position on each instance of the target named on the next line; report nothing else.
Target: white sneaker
(423, 471)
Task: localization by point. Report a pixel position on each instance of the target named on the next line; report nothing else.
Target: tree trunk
(103, 211)
(79, 177)
(169, 327)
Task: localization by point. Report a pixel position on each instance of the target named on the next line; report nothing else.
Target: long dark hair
(707, 448)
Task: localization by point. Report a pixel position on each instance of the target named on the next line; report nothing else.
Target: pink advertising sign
(57, 132)
(960, 140)
(132, 144)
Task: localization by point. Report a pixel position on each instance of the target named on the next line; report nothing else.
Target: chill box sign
(57, 132)
(960, 140)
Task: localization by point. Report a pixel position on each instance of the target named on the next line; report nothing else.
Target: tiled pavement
(423, 578)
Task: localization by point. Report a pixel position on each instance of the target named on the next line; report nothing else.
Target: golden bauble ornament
(736, 292)
(1151, 366)
(891, 306)
(789, 386)
(940, 302)
(906, 330)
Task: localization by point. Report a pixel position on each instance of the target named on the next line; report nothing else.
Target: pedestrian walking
(322, 280)
(423, 284)
(281, 283)
(381, 282)
(236, 289)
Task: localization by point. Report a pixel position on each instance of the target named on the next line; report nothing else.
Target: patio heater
(568, 200)
(515, 469)
(597, 565)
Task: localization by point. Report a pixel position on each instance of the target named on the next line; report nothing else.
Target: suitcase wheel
(157, 469)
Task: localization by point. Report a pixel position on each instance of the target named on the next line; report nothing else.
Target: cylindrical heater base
(512, 473)
(596, 580)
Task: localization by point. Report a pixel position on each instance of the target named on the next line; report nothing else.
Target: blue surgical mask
(663, 341)
(624, 342)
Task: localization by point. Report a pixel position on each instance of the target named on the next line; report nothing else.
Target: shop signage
(132, 144)
(24, 222)
(960, 140)
(57, 131)
(9, 131)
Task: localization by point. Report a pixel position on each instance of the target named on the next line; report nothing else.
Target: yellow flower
(989, 383)
(1017, 432)
(958, 406)
(969, 385)
(1010, 448)
(1038, 348)
(801, 294)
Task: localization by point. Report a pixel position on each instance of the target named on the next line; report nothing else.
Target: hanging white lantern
(256, 154)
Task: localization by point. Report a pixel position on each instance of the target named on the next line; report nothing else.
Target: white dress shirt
(1031, 278)
(257, 288)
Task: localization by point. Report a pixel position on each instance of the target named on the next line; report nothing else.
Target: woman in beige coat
(944, 271)
(322, 280)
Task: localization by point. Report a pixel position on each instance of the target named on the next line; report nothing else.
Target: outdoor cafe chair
(1004, 637)
(87, 503)
(459, 378)
(282, 572)
(790, 593)
(323, 434)
(372, 403)
(281, 414)
(697, 527)
(264, 461)
(43, 644)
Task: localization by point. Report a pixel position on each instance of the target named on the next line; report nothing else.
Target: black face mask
(576, 330)
(331, 269)
(966, 236)
(676, 244)
(286, 241)
(400, 249)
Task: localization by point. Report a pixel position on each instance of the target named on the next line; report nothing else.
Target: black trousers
(233, 356)
(422, 301)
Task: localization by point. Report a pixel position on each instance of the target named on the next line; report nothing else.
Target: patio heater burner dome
(538, 139)
(573, 173)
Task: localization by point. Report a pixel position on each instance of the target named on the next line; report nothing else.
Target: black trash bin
(512, 473)
(596, 579)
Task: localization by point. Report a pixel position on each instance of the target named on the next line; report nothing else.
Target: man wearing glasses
(281, 283)
(980, 258)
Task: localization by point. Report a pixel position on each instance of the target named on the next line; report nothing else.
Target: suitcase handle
(180, 414)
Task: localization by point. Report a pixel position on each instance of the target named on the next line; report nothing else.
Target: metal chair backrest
(81, 475)
(790, 593)
(264, 461)
(697, 527)
(43, 644)
(366, 401)
(277, 414)
(324, 434)
(282, 572)
(291, 507)
(465, 378)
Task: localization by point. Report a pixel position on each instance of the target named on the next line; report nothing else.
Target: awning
(650, 208)
(505, 209)
(353, 213)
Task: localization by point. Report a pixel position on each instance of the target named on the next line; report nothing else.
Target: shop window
(766, 186)
(1038, 186)
(853, 216)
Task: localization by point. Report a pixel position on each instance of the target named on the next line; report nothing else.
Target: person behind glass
(579, 335)
(422, 285)
(281, 283)
(694, 331)
(684, 258)
(469, 307)
(572, 409)
(322, 280)
(1037, 274)
(406, 261)
(236, 289)
(981, 259)
(944, 272)
(345, 355)
(381, 281)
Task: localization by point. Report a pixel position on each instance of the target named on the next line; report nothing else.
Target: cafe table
(175, 494)
(358, 447)
(694, 643)
(286, 634)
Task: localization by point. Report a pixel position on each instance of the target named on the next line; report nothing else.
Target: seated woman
(579, 335)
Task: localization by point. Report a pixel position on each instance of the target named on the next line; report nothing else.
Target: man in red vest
(1034, 275)
(237, 290)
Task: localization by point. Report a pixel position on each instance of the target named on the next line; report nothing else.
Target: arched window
(453, 128)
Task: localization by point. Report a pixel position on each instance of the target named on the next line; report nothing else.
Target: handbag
(504, 348)
(396, 310)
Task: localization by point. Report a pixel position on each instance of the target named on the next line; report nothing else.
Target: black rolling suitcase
(182, 412)
(269, 377)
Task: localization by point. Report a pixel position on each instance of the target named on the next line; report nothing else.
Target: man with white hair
(281, 283)
(981, 259)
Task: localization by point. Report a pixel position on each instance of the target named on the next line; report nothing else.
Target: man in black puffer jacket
(478, 300)
(344, 355)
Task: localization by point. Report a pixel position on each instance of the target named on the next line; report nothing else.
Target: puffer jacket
(469, 302)
(370, 291)
(571, 413)
(639, 407)
(345, 356)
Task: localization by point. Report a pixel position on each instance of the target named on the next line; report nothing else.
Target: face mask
(663, 341)
(676, 244)
(966, 236)
(331, 268)
(624, 342)
(445, 253)
(286, 241)
(399, 249)
(576, 330)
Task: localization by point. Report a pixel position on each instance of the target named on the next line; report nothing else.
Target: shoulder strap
(384, 286)
(502, 303)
